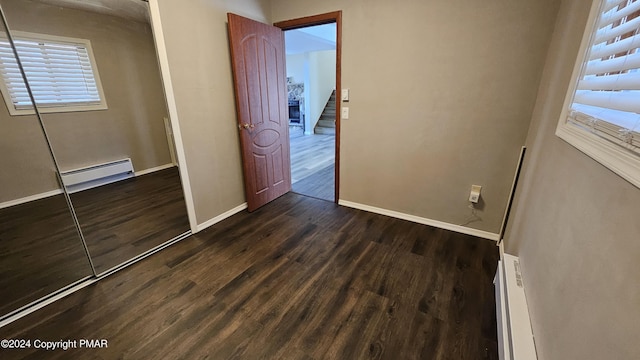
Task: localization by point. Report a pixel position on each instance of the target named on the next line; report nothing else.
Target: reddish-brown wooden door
(257, 52)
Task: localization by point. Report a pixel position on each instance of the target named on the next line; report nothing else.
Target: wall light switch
(345, 113)
(345, 95)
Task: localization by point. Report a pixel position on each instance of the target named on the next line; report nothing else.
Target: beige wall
(132, 126)
(27, 168)
(195, 34)
(441, 98)
(575, 228)
(442, 104)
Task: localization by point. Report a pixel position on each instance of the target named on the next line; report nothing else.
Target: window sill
(58, 109)
(612, 156)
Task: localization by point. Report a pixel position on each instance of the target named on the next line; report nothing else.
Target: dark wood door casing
(321, 19)
(257, 52)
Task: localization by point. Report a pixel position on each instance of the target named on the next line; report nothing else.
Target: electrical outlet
(474, 196)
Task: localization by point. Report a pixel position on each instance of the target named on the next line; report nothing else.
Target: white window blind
(607, 99)
(60, 74)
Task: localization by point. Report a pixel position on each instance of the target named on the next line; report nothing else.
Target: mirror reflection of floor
(312, 164)
(124, 219)
(40, 251)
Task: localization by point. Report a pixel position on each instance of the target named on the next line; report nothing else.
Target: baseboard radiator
(515, 337)
(96, 175)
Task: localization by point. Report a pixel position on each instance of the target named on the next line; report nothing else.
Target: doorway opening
(312, 47)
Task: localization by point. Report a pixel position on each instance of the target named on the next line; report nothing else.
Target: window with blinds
(605, 100)
(61, 73)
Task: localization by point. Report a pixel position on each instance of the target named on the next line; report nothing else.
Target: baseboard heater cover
(515, 337)
(97, 175)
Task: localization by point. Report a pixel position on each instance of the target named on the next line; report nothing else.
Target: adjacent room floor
(312, 164)
(300, 278)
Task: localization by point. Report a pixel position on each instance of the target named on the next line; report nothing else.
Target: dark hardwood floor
(41, 252)
(300, 278)
(124, 219)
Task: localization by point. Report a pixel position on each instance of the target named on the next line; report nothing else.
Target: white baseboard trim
(153, 169)
(221, 217)
(421, 220)
(27, 199)
(47, 194)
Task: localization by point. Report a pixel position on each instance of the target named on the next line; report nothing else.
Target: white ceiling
(314, 38)
(128, 9)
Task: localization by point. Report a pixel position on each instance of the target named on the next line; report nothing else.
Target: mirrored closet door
(96, 81)
(41, 251)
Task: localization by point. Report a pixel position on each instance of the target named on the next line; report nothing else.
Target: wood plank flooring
(300, 278)
(311, 156)
(41, 252)
(320, 184)
(124, 219)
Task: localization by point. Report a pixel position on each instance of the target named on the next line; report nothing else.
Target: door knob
(246, 126)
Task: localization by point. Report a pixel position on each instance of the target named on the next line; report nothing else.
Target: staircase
(327, 123)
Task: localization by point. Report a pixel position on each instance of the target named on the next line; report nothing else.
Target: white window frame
(58, 108)
(613, 156)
